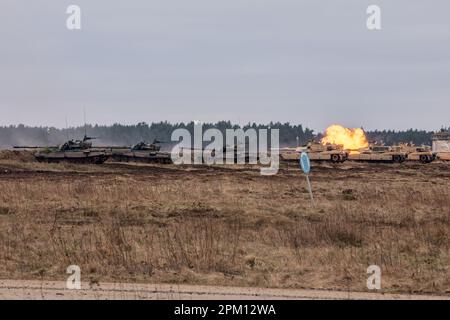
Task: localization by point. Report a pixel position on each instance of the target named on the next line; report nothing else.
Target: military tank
(441, 144)
(229, 155)
(290, 154)
(378, 154)
(236, 155)
(418, 153)
(326, 152)
(141, 152)
(74, 151)
(316, 152)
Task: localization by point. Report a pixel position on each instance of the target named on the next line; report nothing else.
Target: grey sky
(312, 62)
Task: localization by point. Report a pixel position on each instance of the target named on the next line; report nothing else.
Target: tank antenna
(84, 116)
(67, 130)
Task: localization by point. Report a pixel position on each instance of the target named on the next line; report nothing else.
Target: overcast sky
(312, 62)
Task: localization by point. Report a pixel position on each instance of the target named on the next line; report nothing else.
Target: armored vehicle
(443, 156)
(326, 152)
(74, 151)
(227, 155)
(441, 144)
(415, 153)
(237, 155)
(141, 152)
(291, 154)
(378, 154)
(316, 152)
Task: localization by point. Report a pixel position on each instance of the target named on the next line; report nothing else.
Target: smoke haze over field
(311, 62)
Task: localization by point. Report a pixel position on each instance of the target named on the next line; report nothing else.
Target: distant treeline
(391, 137)
(119, 134)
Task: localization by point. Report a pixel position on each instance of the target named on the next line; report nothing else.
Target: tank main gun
(147, 146)
(69, 145)
(141, 152)
(35, 147)
(87, 138)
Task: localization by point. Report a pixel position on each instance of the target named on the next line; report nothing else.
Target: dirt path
(51, 290)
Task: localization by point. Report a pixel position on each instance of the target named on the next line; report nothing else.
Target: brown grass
(230, 227)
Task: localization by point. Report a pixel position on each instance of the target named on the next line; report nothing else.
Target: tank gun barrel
(112, 147)
(156, 141)
(89, 138)
(33, 147)
(353, 149)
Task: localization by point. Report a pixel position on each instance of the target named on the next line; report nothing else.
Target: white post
(310, 190)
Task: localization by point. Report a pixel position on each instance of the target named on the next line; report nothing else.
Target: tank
(81, 156)
(316, 152)
(141, 152)
(443, 156)
(74, 151)
(441, 144)
(326, 152)
(235, 154)
(418, 153)
(378, 154)
(290, 154)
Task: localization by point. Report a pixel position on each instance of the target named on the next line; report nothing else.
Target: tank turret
(142, 152)
(75, 151)
(318, 152)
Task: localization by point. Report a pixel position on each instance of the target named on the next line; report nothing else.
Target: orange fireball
(350, 139)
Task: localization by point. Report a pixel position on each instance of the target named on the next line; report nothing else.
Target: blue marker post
(305, 165)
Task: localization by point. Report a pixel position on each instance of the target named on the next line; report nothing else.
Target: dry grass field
(228, 225)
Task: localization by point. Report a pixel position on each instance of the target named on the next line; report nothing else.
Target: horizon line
(81, 126)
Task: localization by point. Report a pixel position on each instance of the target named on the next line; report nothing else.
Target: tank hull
(423, 157)
(443, 156)
(141, 156)
(376, 157)
(330, 156)
(83, 157)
